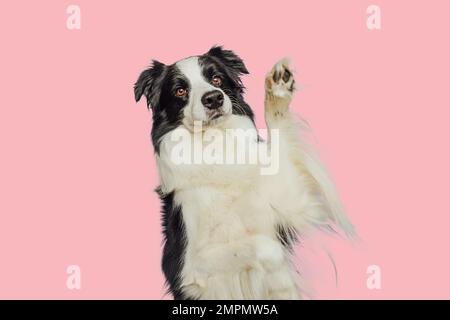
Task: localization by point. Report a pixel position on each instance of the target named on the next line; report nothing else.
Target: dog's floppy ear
(149, 82)
(229, 58)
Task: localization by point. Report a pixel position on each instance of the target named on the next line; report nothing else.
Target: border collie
(229, 227)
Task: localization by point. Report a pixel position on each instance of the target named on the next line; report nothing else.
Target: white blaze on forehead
(190, 67)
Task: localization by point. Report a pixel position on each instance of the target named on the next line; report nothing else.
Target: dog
(228, 229)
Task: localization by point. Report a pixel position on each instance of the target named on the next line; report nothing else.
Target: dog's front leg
(308, 197)
(284, 145)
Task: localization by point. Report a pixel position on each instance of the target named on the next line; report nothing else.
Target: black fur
(149, 83)
(287, 236)
(174, 244)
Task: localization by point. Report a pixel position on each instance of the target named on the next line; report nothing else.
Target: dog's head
(204, 88)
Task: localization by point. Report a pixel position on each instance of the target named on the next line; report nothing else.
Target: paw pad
(280, 81)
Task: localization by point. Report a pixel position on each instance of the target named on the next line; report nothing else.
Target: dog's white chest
(210, 215)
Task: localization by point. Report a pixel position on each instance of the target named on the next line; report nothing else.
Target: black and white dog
(228, 226)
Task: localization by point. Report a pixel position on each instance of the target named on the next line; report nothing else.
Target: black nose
(213, 99)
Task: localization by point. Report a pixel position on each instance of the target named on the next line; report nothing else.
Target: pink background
(77, 170)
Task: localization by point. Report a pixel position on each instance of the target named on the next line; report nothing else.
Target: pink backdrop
(76, 165)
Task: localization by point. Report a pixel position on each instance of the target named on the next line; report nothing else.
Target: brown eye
(180, 92)
(216, 81)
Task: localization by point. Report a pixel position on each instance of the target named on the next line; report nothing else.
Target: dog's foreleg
(309, 197)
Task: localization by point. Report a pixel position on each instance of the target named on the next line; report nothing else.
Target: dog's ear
(229, 58)
(149, 82)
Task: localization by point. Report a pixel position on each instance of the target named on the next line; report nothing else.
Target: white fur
(230, 211)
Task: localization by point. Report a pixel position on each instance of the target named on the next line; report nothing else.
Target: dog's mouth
(213, 119)
(215, 116)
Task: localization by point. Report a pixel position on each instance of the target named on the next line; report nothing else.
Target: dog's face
(204, 88)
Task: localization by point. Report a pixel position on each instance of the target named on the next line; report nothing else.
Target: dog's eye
(216, 81)
(181, 92)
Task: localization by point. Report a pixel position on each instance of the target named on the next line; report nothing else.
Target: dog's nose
(213, 99)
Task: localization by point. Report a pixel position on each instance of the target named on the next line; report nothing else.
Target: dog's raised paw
(280, 86)
(280, 80)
